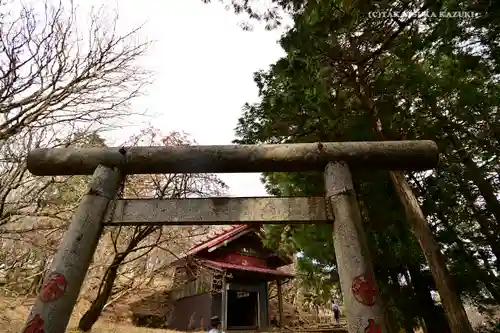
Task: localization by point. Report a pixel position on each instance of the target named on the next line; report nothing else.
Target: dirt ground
(13, 313)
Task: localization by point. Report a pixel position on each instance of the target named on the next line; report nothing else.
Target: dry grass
(103, 327)
(13, 313)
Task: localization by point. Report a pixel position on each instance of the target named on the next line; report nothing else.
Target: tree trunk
(428, 310)
(392, 326)
(91, 316)
(484, 275)
(477, 272)
(455, 312)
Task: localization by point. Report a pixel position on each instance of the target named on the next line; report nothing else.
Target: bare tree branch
(139, 253)
(50, 74)
(60, 85)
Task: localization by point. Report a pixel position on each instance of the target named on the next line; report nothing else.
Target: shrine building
(227, 276)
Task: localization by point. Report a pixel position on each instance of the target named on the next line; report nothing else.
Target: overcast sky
(204, 64)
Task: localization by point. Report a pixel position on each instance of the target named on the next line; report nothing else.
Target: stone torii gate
(101, 207)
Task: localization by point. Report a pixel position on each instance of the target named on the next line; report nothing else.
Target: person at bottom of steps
(336, 313)
(215, 324)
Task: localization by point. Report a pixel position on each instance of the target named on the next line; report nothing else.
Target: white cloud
(204, 64)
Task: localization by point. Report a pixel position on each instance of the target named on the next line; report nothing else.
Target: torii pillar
(363, 308)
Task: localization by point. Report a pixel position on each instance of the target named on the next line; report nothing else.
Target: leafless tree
(139, 253)
(56, 81)
(50, 74)
(61, 83)
(34, 219)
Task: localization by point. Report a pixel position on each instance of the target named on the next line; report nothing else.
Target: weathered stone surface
(361, 302)
(212, 211)
(391, 155)
(54, 305)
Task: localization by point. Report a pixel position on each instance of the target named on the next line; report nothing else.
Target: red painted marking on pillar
(364, 290)
(53, 287)
(372, 327)
(35, 325)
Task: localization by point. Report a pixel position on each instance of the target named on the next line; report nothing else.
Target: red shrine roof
(225, 265)
(219, 237)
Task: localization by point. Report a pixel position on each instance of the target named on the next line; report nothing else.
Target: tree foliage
(418, 74)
